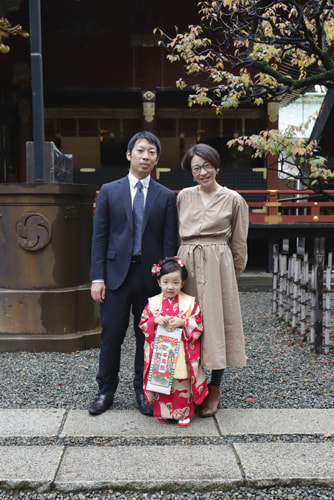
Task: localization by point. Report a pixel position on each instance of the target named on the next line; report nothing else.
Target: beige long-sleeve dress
(213, 245)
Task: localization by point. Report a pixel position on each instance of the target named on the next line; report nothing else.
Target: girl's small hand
(161, 320)
(176, 322)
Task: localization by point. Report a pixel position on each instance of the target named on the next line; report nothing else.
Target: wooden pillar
(40, 173)
(272, 123)
(149, 116)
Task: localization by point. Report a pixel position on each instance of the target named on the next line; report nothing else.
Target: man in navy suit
(121, 274)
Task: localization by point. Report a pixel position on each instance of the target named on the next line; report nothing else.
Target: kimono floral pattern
(184, 392)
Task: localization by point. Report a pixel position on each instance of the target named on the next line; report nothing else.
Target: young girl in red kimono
(174, 309)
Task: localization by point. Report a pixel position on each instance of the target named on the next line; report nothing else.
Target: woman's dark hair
(205, 151)
(151, 138)
(171, 264)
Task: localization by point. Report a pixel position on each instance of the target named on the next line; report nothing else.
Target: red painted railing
(285, 206)
(289, 207)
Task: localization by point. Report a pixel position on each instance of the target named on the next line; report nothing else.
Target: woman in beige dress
(213, 227)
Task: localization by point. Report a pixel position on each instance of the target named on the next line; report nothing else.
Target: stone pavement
(69, 450)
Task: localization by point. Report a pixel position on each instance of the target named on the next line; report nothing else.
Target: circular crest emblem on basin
(33, 231)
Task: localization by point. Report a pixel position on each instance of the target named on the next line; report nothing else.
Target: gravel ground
(236, 494)
(281, 372)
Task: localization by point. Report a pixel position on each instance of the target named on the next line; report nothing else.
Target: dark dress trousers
(128, 283)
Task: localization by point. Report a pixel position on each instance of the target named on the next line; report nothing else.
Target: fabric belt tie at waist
(198, 244)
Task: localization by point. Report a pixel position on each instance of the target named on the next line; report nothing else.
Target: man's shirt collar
(133, 181)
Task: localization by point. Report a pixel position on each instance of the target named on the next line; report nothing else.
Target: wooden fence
(302, 294)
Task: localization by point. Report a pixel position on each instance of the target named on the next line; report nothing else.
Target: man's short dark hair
(149, 136)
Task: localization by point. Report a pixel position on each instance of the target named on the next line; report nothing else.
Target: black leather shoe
(101, 404)
(144, 408)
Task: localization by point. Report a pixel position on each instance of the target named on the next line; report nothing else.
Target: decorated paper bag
(165, 349)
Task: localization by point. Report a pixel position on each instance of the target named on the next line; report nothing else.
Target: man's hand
(98, 292)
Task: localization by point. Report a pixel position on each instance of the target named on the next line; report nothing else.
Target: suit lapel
(125, 195)
(152, 194)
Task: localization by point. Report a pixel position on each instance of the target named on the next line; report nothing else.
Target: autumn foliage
(251, 52)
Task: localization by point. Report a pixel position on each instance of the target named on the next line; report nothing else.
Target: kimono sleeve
(146, 323)
(193, 325)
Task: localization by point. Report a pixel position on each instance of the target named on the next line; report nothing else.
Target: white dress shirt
(133, 181)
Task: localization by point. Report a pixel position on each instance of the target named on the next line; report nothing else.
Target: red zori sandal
(183, 422)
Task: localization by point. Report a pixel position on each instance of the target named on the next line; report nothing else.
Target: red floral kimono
(189, 385)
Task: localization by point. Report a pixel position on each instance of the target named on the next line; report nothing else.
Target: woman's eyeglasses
(197, 168)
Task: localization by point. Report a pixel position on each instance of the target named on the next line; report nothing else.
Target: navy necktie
(138, 212)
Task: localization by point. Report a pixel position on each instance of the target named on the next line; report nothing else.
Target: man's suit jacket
(113, 231)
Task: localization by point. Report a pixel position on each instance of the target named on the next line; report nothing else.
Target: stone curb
(174, 467)
(130, 423)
